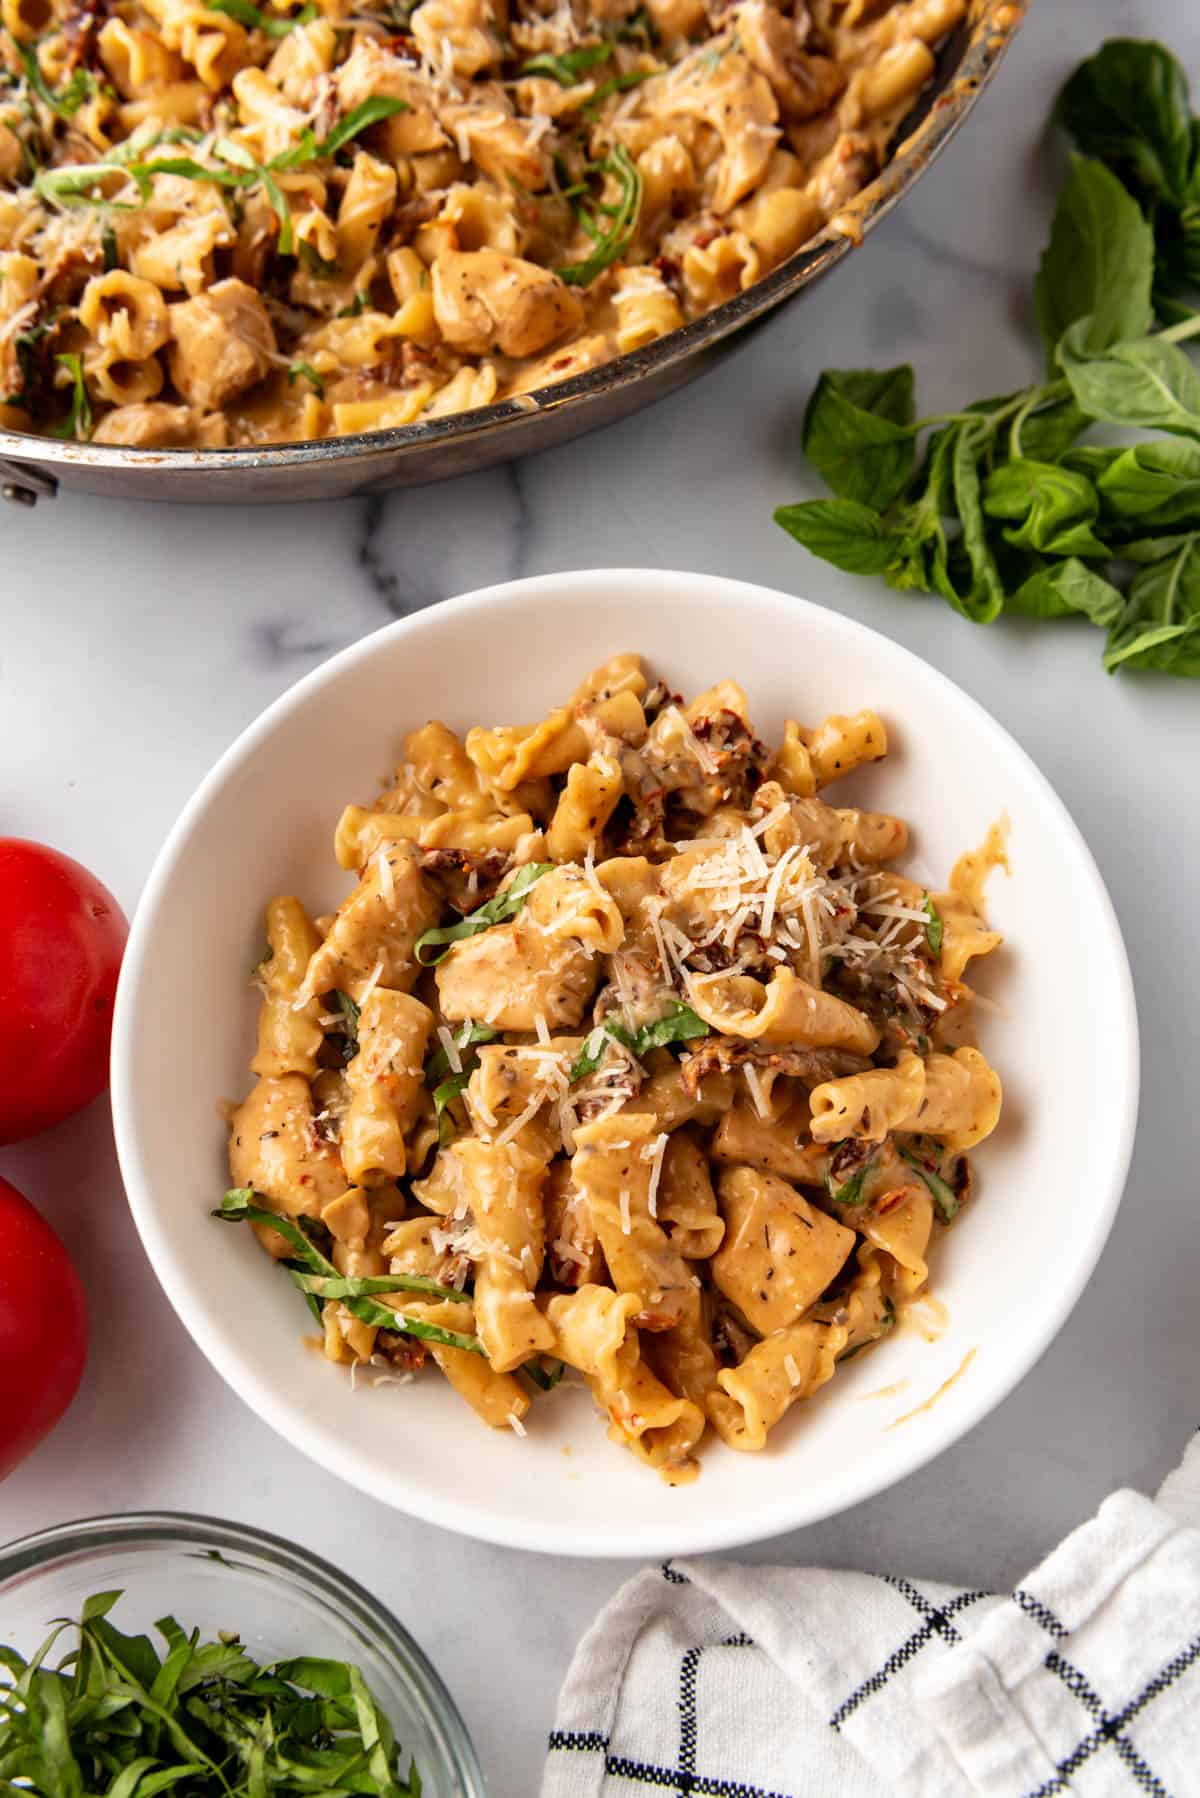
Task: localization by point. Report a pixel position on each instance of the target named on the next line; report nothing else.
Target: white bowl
(1009, 1272)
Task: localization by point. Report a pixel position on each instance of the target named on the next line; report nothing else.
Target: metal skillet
(33, 468)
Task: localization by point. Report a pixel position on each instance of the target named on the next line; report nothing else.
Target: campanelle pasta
(628, 1054)
(244, 223)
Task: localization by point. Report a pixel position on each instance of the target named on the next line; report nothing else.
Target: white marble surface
(137, 642)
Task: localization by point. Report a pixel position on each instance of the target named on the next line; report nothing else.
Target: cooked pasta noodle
(627, 1052)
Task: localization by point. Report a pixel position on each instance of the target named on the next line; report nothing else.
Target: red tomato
(62, 936)
(43, 1328)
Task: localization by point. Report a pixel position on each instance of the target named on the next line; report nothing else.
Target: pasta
(628, 1053)
(239, 223)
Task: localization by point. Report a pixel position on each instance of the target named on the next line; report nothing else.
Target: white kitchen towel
(724, 1681)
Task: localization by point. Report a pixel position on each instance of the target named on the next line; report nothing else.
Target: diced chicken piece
(779, 1252)
(483, 300)
(221, 344)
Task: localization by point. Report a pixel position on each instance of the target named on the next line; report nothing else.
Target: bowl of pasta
(646, 1114)
(291, 251)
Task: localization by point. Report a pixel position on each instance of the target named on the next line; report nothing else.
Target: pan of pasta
(659, 1082)
(292, 250)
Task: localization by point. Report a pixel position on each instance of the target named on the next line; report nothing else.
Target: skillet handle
(23, 484)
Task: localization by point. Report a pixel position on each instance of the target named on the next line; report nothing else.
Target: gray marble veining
(138, 642)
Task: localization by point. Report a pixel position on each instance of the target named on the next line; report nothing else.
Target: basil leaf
(306, 372)
(611, 240)
(438, 1064)
(238, 1207)
(1048, 430)
(499, 910)
(567, 69)
(108, 245)
(1149, 383)
(442, 1095)
(323, 1286)
(78, 422)
(1068, 587)
(858, 432)
(842, 531)
(1052, 508)
(350, 1017)
(1160, 628)
(679, 1024)
(1153, 483)
(945, 1199)
(616, 84)
(203, 1717)
(64, 101)
(544, 1376)
(933, 925)
(1098, 264)
(851, 1192)
(254, 20)
(359, 119)
(1129, 106)
(983, 599)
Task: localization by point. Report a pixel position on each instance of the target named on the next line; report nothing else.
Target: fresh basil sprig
(317, 1277)
(116, 1714)
(433, 946)
(678, 1024)
(1003, 510)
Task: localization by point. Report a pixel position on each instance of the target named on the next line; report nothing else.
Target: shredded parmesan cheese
(791, 1370)
(626, 1220)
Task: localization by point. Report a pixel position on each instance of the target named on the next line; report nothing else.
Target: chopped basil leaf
(567, 69)
(442, 1094)
(679, 1024)
(314, 1274)
(616, 84)
(121, 1715)
(358, 305)
(505, 905)
(614, 238)
(108, 244)
(304, 371)
(64, 101)
(350, 1016)
(933, 926)
(78, 422)
(254, 20)
(851, 1191)
(544, 1374)
(438, 1064)
(945, 1199)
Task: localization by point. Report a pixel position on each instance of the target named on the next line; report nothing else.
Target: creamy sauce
(970, 872)
(929, 1403)
(892, 1391)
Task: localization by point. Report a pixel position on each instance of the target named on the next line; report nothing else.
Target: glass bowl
(281, 1599)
